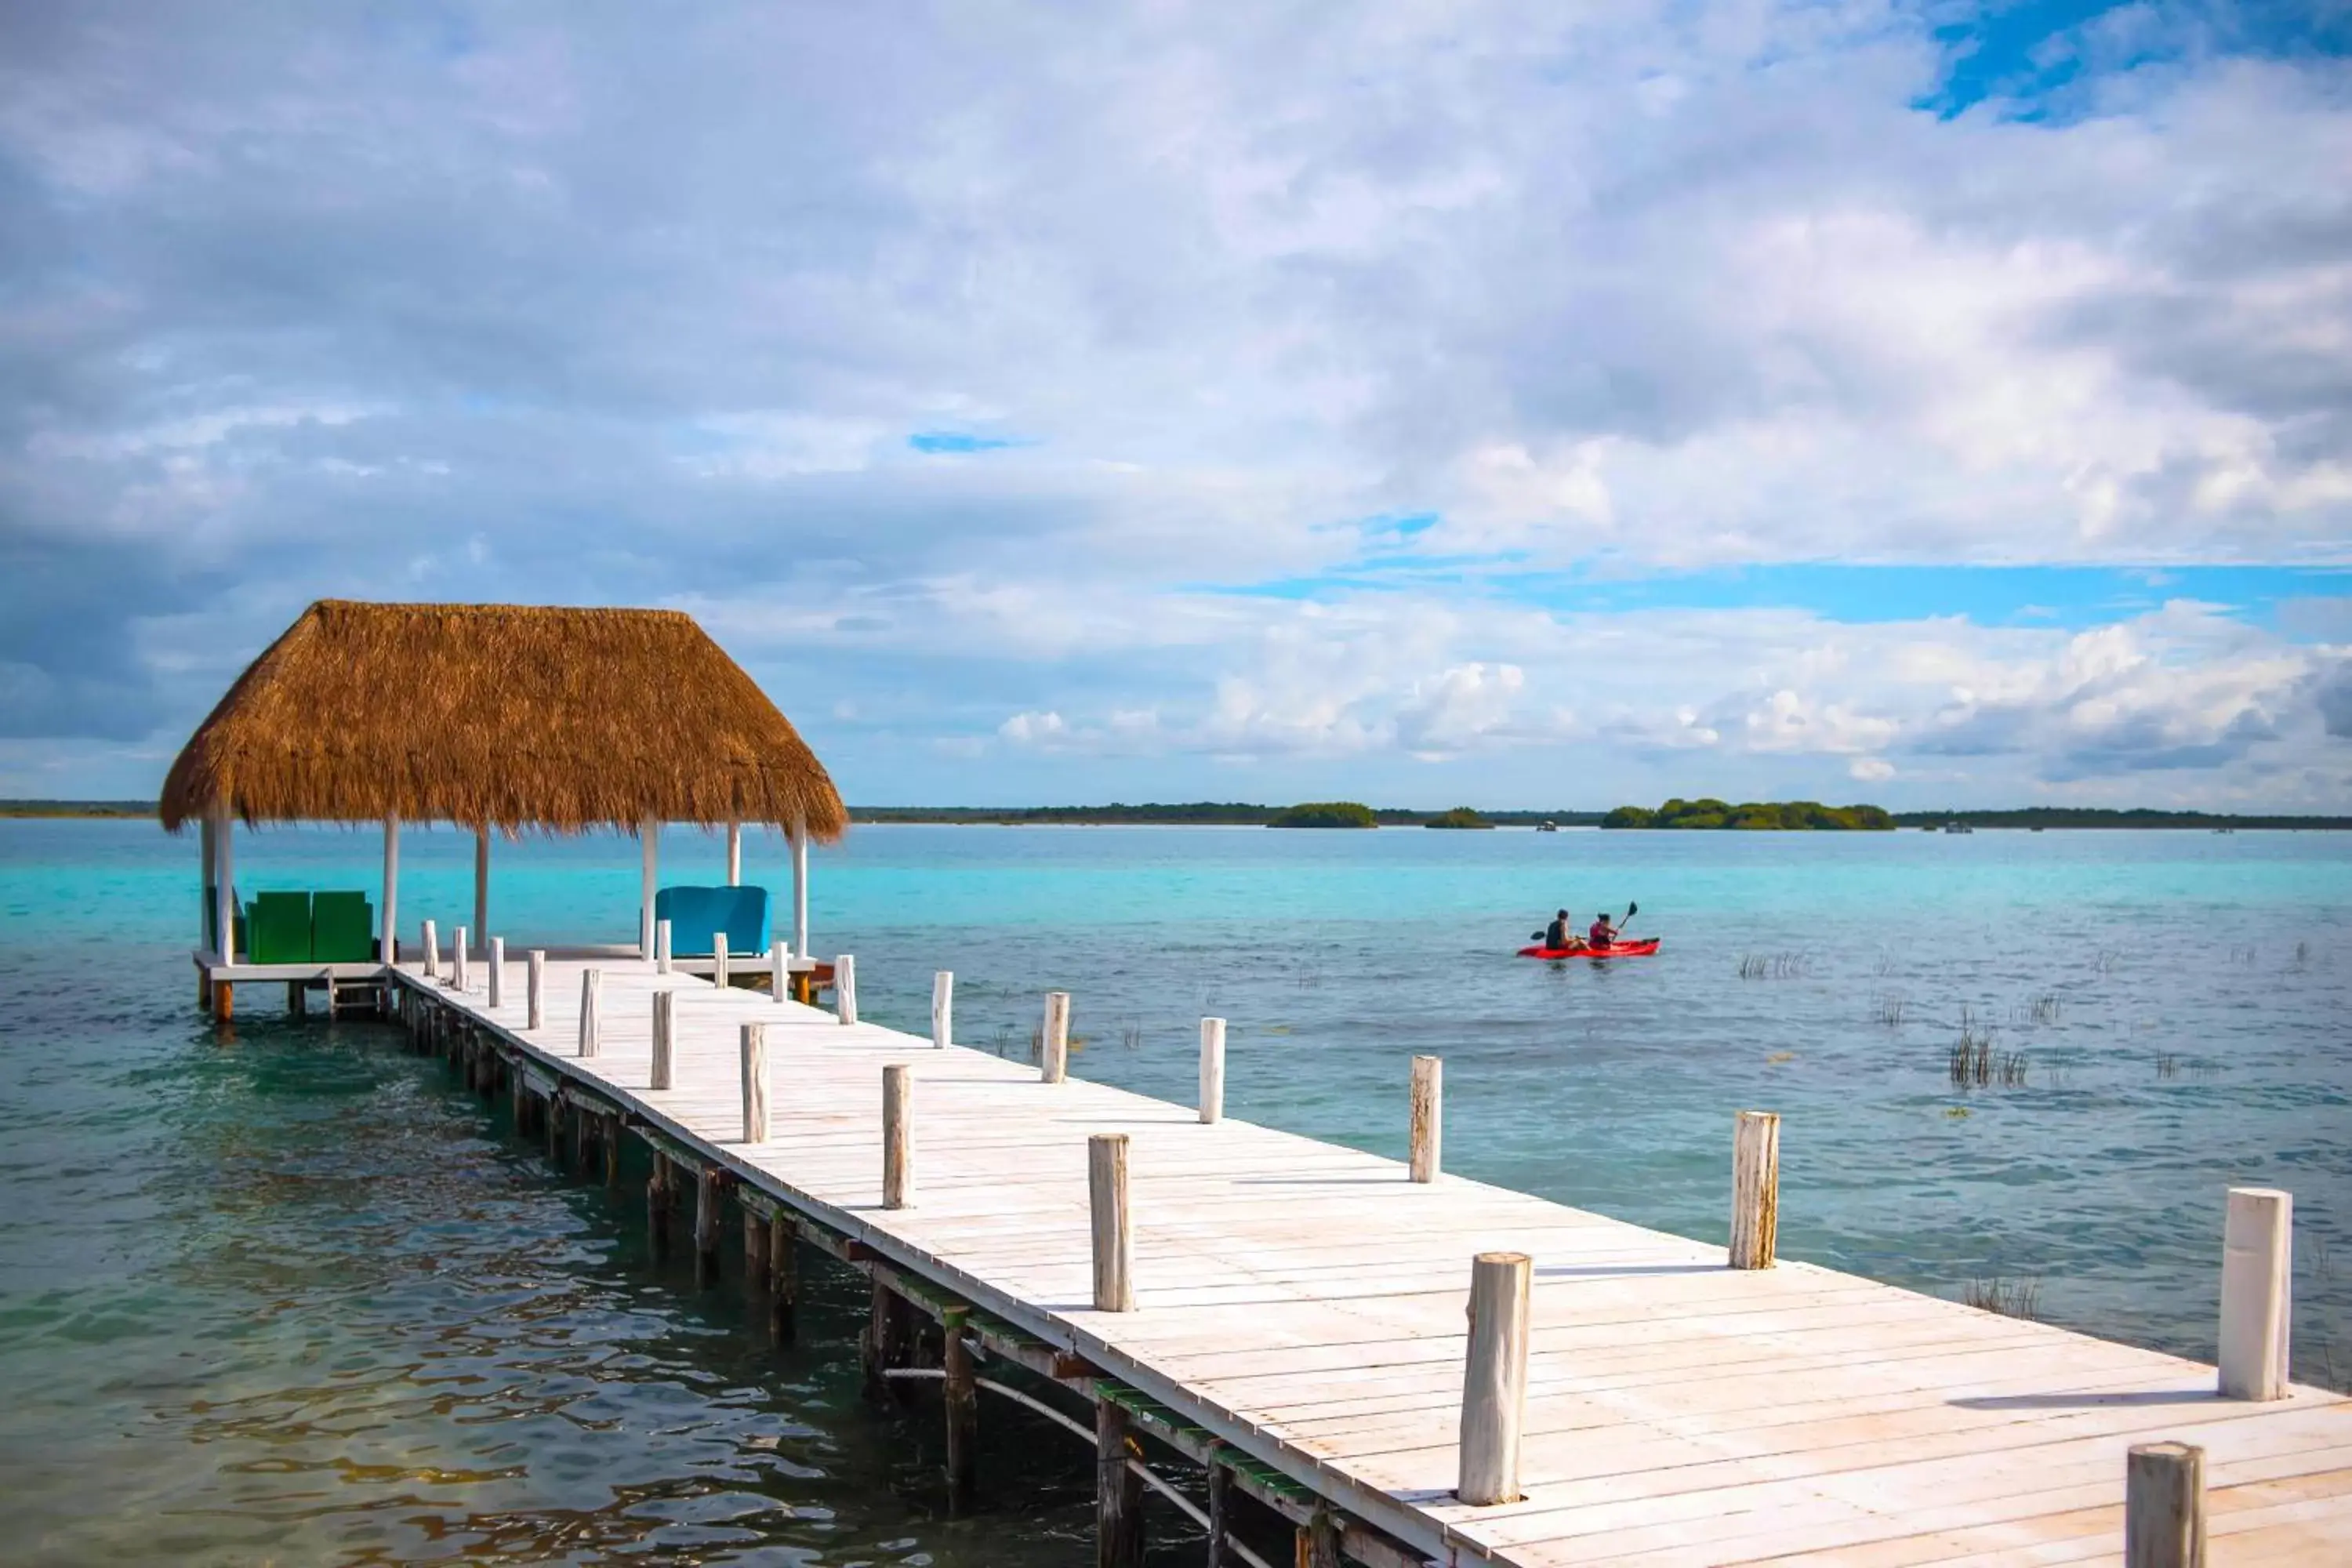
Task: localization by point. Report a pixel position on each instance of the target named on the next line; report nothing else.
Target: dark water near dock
(300, 1298)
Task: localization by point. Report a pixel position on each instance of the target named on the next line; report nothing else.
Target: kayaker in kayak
(1561, 932)
(1603, 933)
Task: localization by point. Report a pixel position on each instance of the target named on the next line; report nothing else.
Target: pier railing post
(1428, 1116)
(1213, 1069)
(1114, 1239)
(718, 958)
(1754, 1189)
(779, 971)
(942, 1009)
(457, 945)
(661, 947)
(1495, 1378)
(498, 973)
(1054, 1041)
(592, 1027)
(665, 1060)
(2257, 1243)
(534, 987)
(844, 988)
(2164, 1506)
(432, 952)
(962, 1406)
(755, 1083)
(897, 1136)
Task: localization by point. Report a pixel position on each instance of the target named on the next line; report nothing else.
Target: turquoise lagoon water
(298, 1298)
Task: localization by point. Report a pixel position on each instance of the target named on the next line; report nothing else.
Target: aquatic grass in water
(2010, 1298)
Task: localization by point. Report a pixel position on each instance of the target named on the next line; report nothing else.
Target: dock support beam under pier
(784, 1278)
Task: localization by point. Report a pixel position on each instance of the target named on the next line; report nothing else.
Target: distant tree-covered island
(1754, 815)
(1325, 814)
(1460, 816)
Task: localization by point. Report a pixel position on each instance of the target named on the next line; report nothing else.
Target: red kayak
(1642, 949)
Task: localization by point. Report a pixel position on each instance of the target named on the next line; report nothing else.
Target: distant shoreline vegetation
(1326, 813)
(1235, 814)
(1460, 816)
(1754, 815)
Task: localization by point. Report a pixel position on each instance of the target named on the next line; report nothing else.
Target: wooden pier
(1292, 1314)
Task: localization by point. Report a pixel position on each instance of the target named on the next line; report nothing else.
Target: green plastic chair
(278, 929)
(342, 928)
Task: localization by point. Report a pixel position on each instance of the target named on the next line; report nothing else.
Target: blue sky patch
(937, 441)
(2030, 55)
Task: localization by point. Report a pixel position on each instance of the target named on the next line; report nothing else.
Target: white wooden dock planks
(1306, 1302)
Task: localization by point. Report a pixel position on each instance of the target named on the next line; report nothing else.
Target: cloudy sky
(1527, 405)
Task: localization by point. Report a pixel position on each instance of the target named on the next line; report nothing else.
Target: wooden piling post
(755, 1253)
(459, 942)
(1213, 1069)
(1494, 1379)
(658, 1205)
(665, 1060)
(1428, 1116)
(897, 1136)
(1755, 1188)
(779, 971)
(942, 1009)
(844, 988)
(498, 973)
(661, 947)
(1317, 1541)
(755, 1083)
(1118, 1490)
(1114, 1240)
(1054, 1041)
(611, 1133)
(592, 1027)
(883, 1345)
(2257, 1256)
(535, 989)
(2164, 1506)
(783, 1277)
(1221, 1493)
(432, 952)
(962, 1406)
(298, 998)
(719, 960)
(706, 1225)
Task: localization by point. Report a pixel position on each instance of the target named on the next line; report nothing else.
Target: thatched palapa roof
(504, 716)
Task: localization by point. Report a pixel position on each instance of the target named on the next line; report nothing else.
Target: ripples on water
(300, 1298)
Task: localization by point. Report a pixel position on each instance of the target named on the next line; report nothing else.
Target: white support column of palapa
(734, 854)
(205, 898)
(481, 883)
(225, 883)
(391, 953)
(800, 888)
(649, 836)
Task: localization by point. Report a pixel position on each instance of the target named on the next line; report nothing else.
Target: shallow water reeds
(1130, 1034)
(1972, 1060)
(2009, 1068)
(2010, 1298)
(2107, 960)
(2046, 1008)
(1775, 965)
(2167, 1065)
(1891, 1009)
